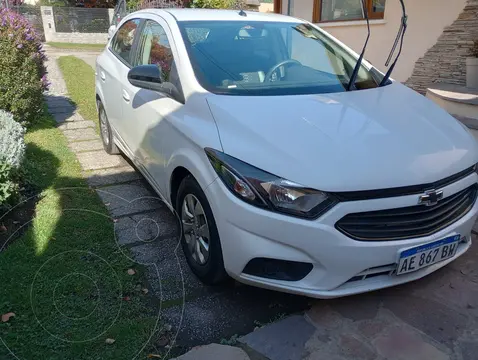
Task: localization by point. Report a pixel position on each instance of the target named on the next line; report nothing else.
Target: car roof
(220, 15)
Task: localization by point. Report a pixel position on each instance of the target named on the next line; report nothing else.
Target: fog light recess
(278, 269)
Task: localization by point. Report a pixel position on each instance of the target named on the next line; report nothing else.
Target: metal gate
(33, 15)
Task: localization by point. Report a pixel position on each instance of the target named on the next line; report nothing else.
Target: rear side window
(122, 43)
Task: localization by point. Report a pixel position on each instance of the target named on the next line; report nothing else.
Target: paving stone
(469, 350)
(65, 117)
(68, 109)
(366, 308)
(455, 291)
(129, 198)
(405, 344)
(87, 145)
(371, 328)
(323, 317)
(352, 346)
(58, 101)
(283, 340)
(81, 134)
(94, 160)
(439, 321)
(72, 125)
(111, 176)
(215, 351)
(147, 227)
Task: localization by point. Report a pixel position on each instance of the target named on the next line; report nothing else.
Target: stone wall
(445, 61)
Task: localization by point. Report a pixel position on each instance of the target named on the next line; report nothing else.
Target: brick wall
(445, 61)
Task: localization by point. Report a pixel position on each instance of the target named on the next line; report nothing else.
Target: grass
(64, 278)
(92, 47)
(80, 81)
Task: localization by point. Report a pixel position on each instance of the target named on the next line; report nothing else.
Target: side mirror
(150, 77)
(146, 77)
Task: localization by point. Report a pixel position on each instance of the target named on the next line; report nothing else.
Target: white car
(283, 179)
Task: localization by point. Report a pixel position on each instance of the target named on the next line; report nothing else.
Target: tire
(105, 131)
(212, 271)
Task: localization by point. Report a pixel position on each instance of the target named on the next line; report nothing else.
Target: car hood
(361, 140)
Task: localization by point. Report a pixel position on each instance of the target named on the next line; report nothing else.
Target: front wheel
(200, 238)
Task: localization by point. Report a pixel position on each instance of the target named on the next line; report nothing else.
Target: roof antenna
(242, 12)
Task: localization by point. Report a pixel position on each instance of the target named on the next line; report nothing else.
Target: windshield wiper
(399, 38)
(360, 59)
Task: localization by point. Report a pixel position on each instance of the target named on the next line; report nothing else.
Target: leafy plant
(213, 4)
(12, 146)
(22, 69)
(12, 150)
(474, 49)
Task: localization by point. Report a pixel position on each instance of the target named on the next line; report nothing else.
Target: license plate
(428, 254)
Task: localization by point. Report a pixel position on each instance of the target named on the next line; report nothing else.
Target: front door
(145, 114)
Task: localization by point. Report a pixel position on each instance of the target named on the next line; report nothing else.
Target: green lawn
(80, 81)
(92, 47)
(65, 278)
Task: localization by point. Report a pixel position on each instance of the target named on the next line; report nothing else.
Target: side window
(154, 49)
(122, 43)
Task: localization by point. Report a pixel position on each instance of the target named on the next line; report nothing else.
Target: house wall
(426, 22)
(445, 61)
(266, 7)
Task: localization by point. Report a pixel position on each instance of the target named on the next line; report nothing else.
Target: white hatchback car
(283, 179)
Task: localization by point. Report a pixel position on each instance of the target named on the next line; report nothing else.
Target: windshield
(269, 58)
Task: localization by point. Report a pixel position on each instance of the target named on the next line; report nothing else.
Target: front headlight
(265, 190)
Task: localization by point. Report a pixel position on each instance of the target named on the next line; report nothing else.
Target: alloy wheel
(195, 229)
(105, 135)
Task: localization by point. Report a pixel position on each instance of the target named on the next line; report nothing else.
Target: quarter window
(122, 43)
(344, 10)
(154, 48)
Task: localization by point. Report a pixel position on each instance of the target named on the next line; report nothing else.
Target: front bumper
(248, 232)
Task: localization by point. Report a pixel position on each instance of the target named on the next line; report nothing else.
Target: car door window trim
(133, 45)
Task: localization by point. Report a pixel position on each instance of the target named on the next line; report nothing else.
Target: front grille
(407, 222)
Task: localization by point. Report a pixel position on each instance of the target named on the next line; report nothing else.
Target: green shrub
(213, 4)
(12, 150)
(22, 69)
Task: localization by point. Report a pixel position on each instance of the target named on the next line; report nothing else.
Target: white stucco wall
(266, 7)
(427, 19)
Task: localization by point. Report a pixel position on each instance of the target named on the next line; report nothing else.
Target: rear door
(113, 70)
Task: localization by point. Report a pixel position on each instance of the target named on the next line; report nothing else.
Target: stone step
(457, 100)
(469, 122)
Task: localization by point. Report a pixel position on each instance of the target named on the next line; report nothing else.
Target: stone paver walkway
(435, 318)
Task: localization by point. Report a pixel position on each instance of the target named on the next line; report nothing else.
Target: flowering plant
(22, 67)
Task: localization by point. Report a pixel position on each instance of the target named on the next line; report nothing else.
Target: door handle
(125, 96)
(102, 76)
